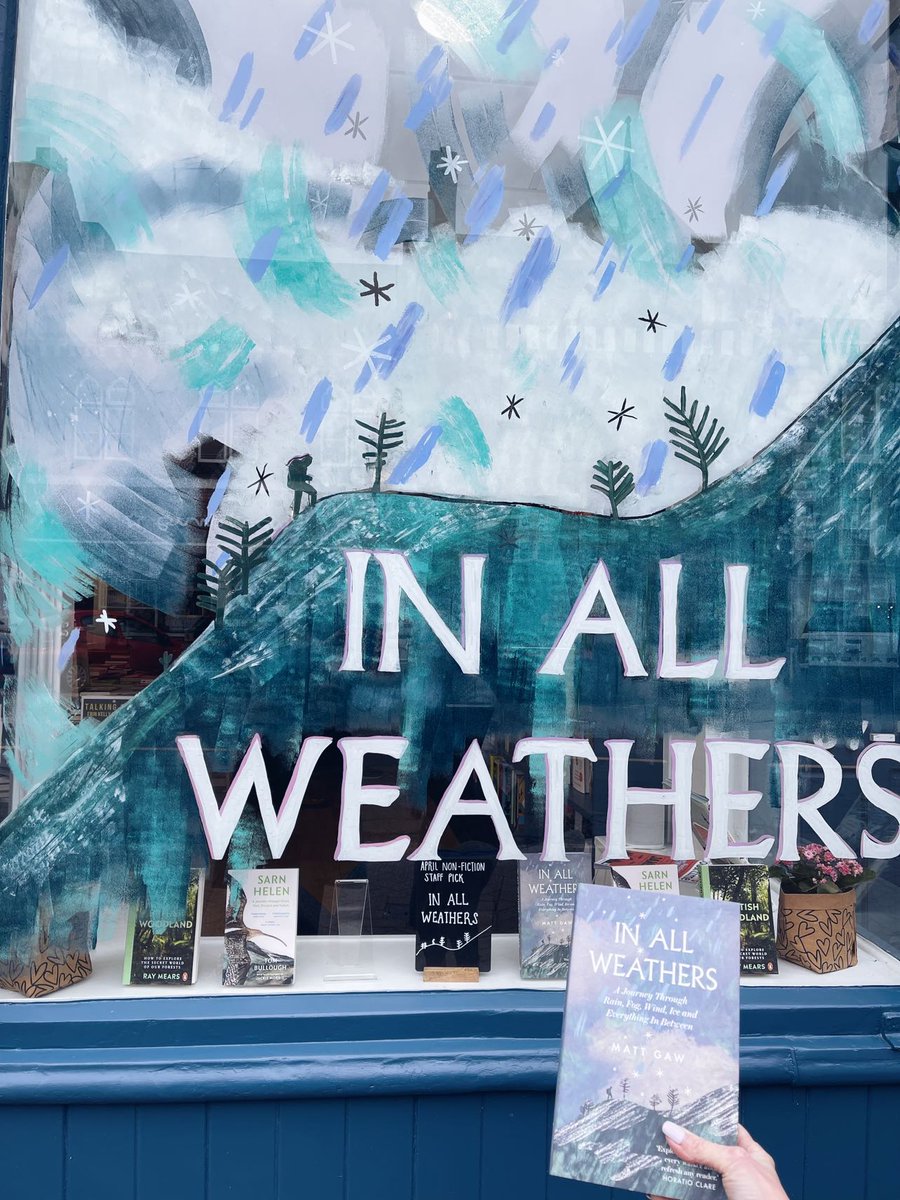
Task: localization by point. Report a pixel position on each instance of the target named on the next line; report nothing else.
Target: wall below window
(831, 1143)
(431, 1096)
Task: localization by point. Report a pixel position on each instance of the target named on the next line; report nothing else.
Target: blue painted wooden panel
(831, 1143)
(99, 1152)
(312, 1133)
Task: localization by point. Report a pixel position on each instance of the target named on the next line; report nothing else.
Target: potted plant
(817, 909)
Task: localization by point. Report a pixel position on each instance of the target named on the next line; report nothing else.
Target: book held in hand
(546, 907)
(650, 1034)
(260, 927)
(171, 955)
(747, 885)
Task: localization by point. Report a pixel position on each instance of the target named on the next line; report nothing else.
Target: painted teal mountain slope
(816, 517)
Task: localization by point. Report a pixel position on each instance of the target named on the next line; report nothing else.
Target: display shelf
(393, 970)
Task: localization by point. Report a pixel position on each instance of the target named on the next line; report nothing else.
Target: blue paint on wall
(705, 104)
(262, 254)
(343, 104)
(435, 92)
(872, 18)
(67, 649)
(531, 275)
(605, 279)
(399, 209)
(310, 35)
(428, 63)
(556, 51)
(218, 495)
(417, 456)
(777, 180)
(709, 14)
(676, 356)
(366, 210)
(769, 385)
(518, 14)
(237, 89)
(251, 109)
(485, 203)
(543, 122)
(392, 345)
(613, 38)
(197, 422)
(654, 457)
(772, 36)
(636, 31)
(315, 409)
(51, 269)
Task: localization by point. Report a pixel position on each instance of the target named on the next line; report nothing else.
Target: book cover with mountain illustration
(747, 885)
(650, 1034)
(260, 927)
(546, 907)
(169, 956)
(453, 924)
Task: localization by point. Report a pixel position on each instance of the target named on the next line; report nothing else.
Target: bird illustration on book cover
(650, 1034)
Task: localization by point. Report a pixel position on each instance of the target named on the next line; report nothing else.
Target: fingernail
(674, 1132)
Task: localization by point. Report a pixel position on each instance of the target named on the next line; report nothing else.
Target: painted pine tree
(614, 480)
(216, 585)
(694, 441)
(246, 544)
(387, 435)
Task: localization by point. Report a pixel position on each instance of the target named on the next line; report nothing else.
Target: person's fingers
(693, 1149)
(754, 1149)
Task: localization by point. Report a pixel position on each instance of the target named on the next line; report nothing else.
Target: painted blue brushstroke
(777, 180)
(428, 63)
(607, 246)
(367, 208)
(218, 495)
(313, 26)
(417, 456)
(635, 31)
(769, 385)
(685, 258)
(615, 35)
(519, 13)
(709, 14)
(605, 279)
(250, 111)
(543, 122)
(675, 360)
(655, 454)
(316, 407)
(222, 559)
(262, 254)
(894, 55)
(51, 269)
(625, 257)
(485, 203)
(531, 275)
(613, 186)
(200, 413)
(237, 89)
(573, 366)
(343, 104)
(67, 649)
(772, 35)
(400, 209)
(556, 51)
(868, 26)
(393, 344)
(694, 128)
(435, 92)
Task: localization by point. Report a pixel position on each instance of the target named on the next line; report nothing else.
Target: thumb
(697, 1150)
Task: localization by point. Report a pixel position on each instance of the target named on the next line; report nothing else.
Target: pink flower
(830, 873)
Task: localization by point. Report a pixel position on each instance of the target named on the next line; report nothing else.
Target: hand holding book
(748, 1172)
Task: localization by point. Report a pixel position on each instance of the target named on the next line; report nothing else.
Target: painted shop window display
(436, 433)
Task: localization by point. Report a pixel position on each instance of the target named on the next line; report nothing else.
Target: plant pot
(817, 930)
(51, 969)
